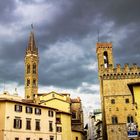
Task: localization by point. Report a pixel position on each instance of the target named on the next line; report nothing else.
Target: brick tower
(31, 69)
(118, 107)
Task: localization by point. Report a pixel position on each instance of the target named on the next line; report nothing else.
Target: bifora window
(114, 120)
(130, 119)
(17, 123)
(58, 129)
(28, 68)
(34, 68)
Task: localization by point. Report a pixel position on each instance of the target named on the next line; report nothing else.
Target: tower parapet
(119, 72)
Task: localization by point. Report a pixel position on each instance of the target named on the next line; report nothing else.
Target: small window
(34, 82)
(114, 120)
(112, 101)
(18, 108)
(27, 138)
(28, 82)
(51, 137)
(34, 68)
(58, 129)
(127, 101)
(16, 138)
(28, 124)
(37, 111)
(130, 119)
(37, 125)
(40, 139)
(28, 68)
(17, 123)
(73, 115)
(28, 109)
(58, 120)
(50, 113)
(50, 126)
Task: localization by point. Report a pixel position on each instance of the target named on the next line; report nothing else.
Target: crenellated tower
(117, 102)
(31, 68)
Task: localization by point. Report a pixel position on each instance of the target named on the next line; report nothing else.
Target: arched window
(34, 82)
(105, 59)
(28, 82)
(34, 68)
(28, 68)
(130, 119)
(114, 120)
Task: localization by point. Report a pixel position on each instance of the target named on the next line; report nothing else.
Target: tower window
(28, 68)
(127, 100)
(28, 82)
(112, 101)
(34, 82)
(34, 68)
(105, 59)
(130, 119)
(114, 120)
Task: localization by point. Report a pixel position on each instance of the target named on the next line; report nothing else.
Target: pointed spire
(32, 49)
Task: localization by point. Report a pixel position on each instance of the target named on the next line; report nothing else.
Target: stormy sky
(66, 33)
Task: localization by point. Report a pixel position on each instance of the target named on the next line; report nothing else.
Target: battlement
(103, 45)
(119, 72)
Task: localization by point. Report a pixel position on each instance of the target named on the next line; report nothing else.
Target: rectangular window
(112, 101)
(51, 137)
(27, 138)
(28, 109)
(58, 129)
(16, 138)
(127, 101)
(50, 126)
(50, 113)
(28, 124)
(37, 111)
(37, 125)
(17, 123)
(18, 108)
(40, 139)
(58, 120)
(74, 115)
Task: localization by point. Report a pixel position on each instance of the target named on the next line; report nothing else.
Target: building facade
(20, 120)
(116, 99)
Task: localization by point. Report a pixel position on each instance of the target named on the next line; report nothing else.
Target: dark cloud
(72, 21)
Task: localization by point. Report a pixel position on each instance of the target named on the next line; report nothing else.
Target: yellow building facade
(116, 99)
(20, 120)
(70, 114)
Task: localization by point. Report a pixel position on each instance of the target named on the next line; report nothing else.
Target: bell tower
(31, 68)
(104, 54)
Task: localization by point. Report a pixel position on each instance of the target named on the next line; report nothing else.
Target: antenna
(4, 85)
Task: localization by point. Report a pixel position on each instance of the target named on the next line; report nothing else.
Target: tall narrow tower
(31, 68)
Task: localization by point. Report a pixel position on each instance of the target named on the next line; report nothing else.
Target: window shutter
(20, 123)
(14, 123)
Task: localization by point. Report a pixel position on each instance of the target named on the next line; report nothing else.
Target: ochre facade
(116, 99)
